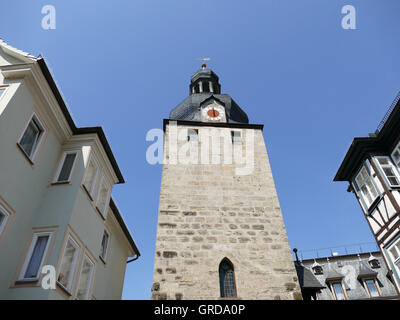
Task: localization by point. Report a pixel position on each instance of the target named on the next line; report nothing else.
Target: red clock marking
(213, 113)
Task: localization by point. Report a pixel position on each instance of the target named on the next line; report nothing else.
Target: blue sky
(289, 64)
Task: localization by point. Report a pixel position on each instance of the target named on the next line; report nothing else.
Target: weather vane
(204, 65)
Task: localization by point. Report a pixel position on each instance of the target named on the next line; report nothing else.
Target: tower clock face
(214, 112)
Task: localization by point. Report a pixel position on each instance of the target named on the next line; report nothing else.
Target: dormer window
(374, 263)
(318, 270)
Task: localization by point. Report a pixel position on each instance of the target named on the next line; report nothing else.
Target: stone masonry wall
(207, 213)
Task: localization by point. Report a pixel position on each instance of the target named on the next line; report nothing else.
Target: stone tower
(220, 229)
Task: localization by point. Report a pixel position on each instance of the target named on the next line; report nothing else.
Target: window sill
(25, 154)
(55, 183)
(99, 212)
(102, 260)
(65, 290)
(26, 281)
(87, 192)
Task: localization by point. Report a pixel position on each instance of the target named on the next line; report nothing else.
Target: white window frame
(391, 166)
(28, 256)
(108, 245)
(89, 288)
(38, 142)
(103, 182)
(362, 196)
(6, 217)
(60, 165)
(396, 149)
(367, 288)
(395, 260)
(332, 283)
(96, 166)
(5, 88)
(73, 265)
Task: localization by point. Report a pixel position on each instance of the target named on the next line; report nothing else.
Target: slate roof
(307, 279)
(189, 109)
(365, 271)
(331, 273)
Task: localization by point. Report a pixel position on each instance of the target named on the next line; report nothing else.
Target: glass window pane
(67, 263)
(102, 198)
(383, 161)
(1, 92)
(372, 189)
(104, 244)
(2, 219)
(396, 157)
(67, 167)
(91, 171)
(36, 258)
(372, 288)
(393, 181)
(29, 138)
(84, 279)
(338, 291)
(394, 253)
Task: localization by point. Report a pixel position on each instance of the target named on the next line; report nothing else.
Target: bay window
(90, 177)
(365, 187)
(68, 262)
(103, 198)
(395, 254)
(388, 170)
(85, 279)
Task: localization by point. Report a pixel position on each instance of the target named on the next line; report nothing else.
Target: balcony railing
(388, 112)
(356, 248)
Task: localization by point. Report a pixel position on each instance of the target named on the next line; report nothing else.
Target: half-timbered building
(372, 167)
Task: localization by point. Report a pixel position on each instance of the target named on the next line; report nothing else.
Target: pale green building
(58, 222)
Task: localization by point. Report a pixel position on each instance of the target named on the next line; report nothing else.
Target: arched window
(227, 279)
